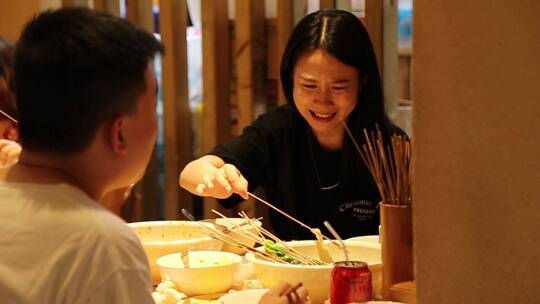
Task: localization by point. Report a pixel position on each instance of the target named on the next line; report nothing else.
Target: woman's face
(325, 92)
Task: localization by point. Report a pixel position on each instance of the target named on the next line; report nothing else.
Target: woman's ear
(118, 139)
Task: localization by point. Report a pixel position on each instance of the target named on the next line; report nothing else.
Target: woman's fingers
(222, 182)
(207, 180)
(9, 153)
(221, 178)
(238, 182)
(200, 188)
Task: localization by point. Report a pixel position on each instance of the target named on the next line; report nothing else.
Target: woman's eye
(309, 86)
(339, 88)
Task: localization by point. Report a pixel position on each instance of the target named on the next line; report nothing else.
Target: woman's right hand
(9, 153)
(211, 176)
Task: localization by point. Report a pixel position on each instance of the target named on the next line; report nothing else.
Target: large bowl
(316, 278)
(237, 231)
(375, 239)
(160, 238)
(208, 272)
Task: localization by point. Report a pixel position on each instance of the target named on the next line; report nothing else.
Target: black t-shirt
(280, 153)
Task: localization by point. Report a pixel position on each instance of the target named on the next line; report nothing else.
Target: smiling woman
(299, 153)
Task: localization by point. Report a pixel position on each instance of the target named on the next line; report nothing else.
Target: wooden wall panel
(327, 4)
(285, 14)
(374, 26)
(109, 6)
(140, 13)
(216, 81)
(177, 116)
(249, 58)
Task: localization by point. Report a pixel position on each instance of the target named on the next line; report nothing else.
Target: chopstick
(7, 115)
(290, 290)
(284, 213)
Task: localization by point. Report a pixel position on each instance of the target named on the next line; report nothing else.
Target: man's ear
(117, 135)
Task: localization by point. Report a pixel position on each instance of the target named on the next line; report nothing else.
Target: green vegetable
(276, 249)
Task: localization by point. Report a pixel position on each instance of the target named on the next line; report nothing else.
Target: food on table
(195, 261)
(322, 249)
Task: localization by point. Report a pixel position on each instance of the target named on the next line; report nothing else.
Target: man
(86, 96)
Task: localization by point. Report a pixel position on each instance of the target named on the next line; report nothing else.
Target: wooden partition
(284, 25)
(176, 112)
(249, 55)
(109, 6)
(216, 81)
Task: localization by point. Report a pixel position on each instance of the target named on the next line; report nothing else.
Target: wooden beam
(71, 3)
(285, 12)
(249, 58)
(216, 73)
(374, 26)
(343, 5)
(176, 112)
(216, 81)
(109, 6)
(327, 4)
(390, 58)
(299, 10)
(140, 13)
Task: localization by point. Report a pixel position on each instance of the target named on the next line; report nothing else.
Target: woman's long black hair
(342, 35)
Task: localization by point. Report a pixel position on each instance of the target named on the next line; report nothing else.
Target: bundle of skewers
(273, 248)
(390, 166)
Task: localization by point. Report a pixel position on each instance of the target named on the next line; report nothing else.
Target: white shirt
(59, 246)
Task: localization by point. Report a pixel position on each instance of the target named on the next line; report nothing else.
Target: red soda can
(350, 282)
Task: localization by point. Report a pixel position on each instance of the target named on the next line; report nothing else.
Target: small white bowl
(160, 238)
(208, 272)
(250, 296)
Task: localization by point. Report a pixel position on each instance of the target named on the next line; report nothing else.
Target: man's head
(74, 70)
(84, 86)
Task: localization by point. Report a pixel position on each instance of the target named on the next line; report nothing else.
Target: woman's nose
(323, 96)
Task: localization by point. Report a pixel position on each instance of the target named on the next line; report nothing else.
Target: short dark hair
(74, 69)
(342, 35)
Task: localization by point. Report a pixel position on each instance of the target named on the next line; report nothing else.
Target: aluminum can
(350, 282)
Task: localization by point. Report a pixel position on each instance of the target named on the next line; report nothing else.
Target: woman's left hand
(9, 153)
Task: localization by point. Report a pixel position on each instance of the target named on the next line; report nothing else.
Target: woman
(300, 153)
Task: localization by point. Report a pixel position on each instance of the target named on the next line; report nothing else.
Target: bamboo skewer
(8, 116)
(260, 236)
(263, 234)
(285, 214)
(389, 166)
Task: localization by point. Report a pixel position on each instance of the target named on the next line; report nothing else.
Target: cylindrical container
(350, 282)
(396, 246)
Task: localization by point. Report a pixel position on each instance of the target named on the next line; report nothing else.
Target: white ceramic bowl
(160, 238)
(316, 278)
(208, 272)
(366, 238)
(250, 296)
(237, 231)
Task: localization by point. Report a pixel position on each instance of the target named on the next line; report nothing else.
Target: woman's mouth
(320, 116)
